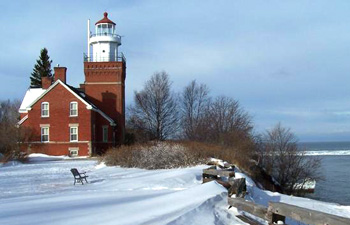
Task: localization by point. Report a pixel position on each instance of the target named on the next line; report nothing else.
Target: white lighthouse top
(105, 31)
(104, 42)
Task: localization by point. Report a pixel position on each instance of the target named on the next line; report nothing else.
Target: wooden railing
(276, 211)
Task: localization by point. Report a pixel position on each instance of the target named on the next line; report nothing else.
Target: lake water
(335, 158)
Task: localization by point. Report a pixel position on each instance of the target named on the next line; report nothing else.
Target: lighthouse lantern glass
(105, 29)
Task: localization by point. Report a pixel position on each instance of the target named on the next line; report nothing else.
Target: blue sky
(285, 61)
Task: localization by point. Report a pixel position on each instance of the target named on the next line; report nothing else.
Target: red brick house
(80, 121)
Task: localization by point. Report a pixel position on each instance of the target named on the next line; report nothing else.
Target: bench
(78, 177)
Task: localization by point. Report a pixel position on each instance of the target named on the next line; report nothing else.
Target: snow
(262, 197)
(42, 192)
(38, 157)
(309, 184)
(219, 163)
(327, 152)
(31, 95)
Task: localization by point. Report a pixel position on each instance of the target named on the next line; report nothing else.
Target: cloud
(284, 61)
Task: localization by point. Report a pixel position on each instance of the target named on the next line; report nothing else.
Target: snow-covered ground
(262, 197)
(42, 192)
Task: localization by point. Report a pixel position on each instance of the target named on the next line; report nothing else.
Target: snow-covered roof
(35, 98)
(31, 95)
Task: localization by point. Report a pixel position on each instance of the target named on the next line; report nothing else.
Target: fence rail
(250, 207)
(221, 173)
(276, 211)
(304, 215)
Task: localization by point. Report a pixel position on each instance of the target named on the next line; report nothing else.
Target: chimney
(46, 82)
(60, 73)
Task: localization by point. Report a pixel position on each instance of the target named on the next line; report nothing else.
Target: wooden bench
(79, 177)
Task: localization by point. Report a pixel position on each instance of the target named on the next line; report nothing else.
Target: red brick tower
(105, 75)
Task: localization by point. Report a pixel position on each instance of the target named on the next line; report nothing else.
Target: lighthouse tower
(104, 68)
(104, 42)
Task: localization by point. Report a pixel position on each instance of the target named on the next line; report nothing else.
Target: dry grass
(155, 155)
(165, 155)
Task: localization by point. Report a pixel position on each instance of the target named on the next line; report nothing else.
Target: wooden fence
(276, 211)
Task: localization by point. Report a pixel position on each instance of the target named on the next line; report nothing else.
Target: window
(105, 133)
(44, 134)
(109, 28)
(99, 30)
(73, 134)
(73, 152)
(73, 109)
(104, 29)
(45, 109)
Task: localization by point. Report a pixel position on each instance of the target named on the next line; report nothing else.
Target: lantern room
(105, 26)
(103, 44)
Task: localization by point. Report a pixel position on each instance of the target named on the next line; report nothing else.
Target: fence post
(238, 187)
(274, 216)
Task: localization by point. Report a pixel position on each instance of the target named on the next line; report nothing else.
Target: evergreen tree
(42, 68)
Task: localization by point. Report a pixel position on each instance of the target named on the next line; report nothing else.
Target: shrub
(156, 155)
(166, 155)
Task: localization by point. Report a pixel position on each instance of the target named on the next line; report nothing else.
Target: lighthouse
(105, 73)
(104, 42)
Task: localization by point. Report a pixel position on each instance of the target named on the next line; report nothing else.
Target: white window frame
(104, 133)
(70, 133)
(71, 109)
(71, 150)
(42, 109)
(48, 134)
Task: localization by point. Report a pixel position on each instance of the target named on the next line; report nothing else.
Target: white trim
(73, 125)
(48, 134)
(73, 149)
(51, 87)
(70, 109)
(48, 109)
(88, 106)
(22, 120)
(112, 123)
(70, 133)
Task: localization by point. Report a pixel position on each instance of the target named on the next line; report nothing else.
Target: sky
(284, 61)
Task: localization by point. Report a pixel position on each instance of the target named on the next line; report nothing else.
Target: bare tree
(282, 158)
(9, 133)
(194, 102)
(155, 110)
(226, 117)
